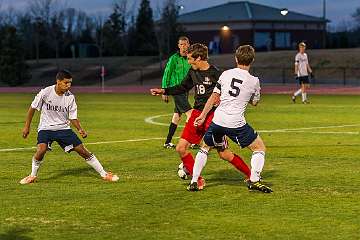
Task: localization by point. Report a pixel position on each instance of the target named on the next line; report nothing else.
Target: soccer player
(203, 77)
(302, 71)
(58, 109)
(236, 88)
(176, 69)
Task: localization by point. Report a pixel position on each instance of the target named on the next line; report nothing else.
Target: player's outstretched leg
(197, 182)
(36, 163)
(185, 155)
(95, 164)
(293, 97)
(257, 164)
(172, 129)
(235, 160)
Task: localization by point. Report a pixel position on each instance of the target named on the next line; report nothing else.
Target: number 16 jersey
(236, 88)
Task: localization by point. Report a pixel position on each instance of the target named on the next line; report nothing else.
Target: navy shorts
(243, 136)
(304, 80)
(67, 139)
(182, 104)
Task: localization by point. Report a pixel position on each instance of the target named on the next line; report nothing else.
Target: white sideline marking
(150, 120)
(309, 128)
(94, 143)
(351, 133)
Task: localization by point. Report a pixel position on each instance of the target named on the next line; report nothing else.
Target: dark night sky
(337, 11)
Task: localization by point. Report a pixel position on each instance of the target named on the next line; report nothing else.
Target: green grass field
(315, 175)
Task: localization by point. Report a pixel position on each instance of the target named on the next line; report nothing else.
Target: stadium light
(284, 11)
(225, 28)
(181, 7)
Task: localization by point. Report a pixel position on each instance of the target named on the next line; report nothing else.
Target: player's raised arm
(29, 117)
(157, 91)
(186, 85)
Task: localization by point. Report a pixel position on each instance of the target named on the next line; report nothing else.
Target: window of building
(282, 40)
(262, 40)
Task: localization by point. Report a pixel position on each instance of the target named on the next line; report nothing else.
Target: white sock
(95, 164)
(200, 162)
(257, 164)
(303, 95)
(297, 92)
(35, 167)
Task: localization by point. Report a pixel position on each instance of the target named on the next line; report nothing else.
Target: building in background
(226, 26)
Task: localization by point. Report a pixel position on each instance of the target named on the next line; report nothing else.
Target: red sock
(188, 161)
(241, 165)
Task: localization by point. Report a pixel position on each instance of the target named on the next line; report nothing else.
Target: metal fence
(324, 75)
(152, 76)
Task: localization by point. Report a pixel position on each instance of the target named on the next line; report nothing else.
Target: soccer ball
(183, 172)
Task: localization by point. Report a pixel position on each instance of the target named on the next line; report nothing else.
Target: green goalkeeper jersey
(176, 69)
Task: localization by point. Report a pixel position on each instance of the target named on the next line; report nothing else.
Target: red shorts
(194, 134)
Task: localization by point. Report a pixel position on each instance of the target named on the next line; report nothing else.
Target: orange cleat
(29, 179)
(110, 177)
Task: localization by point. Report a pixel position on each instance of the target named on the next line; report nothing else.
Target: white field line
(150, 120)
(90, 143)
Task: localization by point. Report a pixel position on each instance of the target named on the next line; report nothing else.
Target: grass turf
(314, 174)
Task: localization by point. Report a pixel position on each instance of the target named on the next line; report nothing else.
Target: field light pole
(284, 12)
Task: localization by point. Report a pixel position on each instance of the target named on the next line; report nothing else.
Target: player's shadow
(232, 177)
(82, 171)
(16, 233)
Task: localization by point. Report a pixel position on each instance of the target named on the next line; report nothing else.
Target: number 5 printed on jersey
(235, 91)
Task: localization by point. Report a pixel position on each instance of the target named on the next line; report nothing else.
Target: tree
(114, 31)
(13, 69)
(169, 29)
(145, 39)
(49, 25)
(99, 33)
(356, 16)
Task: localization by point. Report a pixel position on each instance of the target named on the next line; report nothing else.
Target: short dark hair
(184, 38)
(63, 74)
(245, 55)
(199, 50)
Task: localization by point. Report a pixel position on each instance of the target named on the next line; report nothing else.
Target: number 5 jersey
(237, 87)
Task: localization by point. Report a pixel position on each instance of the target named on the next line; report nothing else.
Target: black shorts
(67, 139)
(242, 136)
(181, 102)
(304, 80)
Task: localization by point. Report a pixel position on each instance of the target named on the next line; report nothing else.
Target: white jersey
(301, 60)
(236, 88)
(56, 111)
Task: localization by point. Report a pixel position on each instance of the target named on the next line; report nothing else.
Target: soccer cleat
(306, 102)
(169, 145)
(193, 187)
(293, 98)
(201, 183)
(29, 179)
(259, 187)
(110, 177)
(197, 186)
(195, 146)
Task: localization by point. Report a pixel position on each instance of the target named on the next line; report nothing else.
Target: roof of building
(243, 11)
